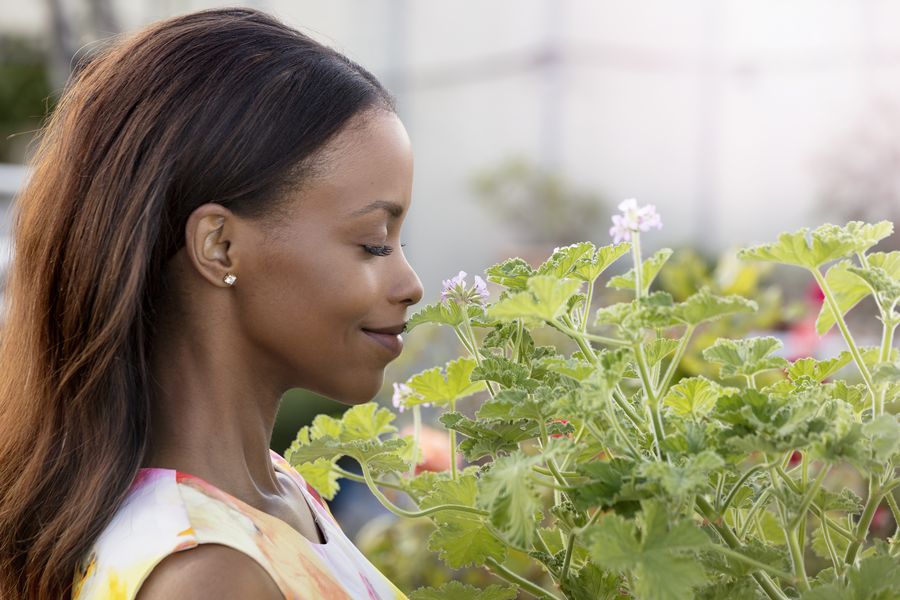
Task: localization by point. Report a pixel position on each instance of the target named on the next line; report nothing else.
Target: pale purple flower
(401, 392)
(634, 218)
(456, 289)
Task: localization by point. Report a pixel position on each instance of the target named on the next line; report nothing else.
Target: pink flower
(633, 219)
(455, 289)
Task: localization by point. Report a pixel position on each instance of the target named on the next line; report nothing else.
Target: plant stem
(652, 401)
(676, 360)
(452, 437)
(865, 520)
(753, 562)
(638, 265)
(413, 513)
(737, 486)
(417, 432)
(587, 306)
(474, 347)
(361, 479)
(619, 399)
(851, 345)
(579, 339)
(762, 579)
(532, 588)
(576, 335)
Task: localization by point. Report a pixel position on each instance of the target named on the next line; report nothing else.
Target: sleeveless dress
(168, 511)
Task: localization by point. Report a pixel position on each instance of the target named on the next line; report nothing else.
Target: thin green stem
(865, 520)
(570, 545)
(753, 562)
(832, 552)
(621, 402)
(652, 401)
(361, 479)
(474, 346)
(762, 578)
(737, 486)
(532, 588)
(587, 306)
(452, 436)
(417, 432)
(676, 360)
(848, 338)
(638, 265)
(576, 335)
(400, 512)
(579, 339)
(565, 463)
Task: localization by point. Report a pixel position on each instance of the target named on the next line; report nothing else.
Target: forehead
(369, 171)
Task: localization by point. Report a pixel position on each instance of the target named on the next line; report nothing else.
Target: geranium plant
(661, 489)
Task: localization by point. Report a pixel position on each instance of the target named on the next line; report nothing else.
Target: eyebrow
(392, 208)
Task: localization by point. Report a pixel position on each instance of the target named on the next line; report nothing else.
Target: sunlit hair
(229, 106)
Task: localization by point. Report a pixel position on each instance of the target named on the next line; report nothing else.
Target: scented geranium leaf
(545, 299)
(745, 356)
(507, 373)
(659, 349)
(649, 269)
(508, 492)
(321, 475)
(366, 421)
(443, 313)
(489, 436)
(819, 544)
(512, 273)
(379, 455)
(705, 306)
(573, 368)
(563, 260)
(502, 405)
(825, 244)
(886, 372)
(454, 590)
(656, 558)
(607, 480)
(325, 425)
(883, 433)
(460, 538)
(434, 387)
(886, 287)
(678, 481)
(695, 396)
(593, 583)
(874, 578)
(818, 370)
(848, 288)
(632, 318)
(589, 269)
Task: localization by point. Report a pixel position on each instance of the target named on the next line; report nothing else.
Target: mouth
(390, 341)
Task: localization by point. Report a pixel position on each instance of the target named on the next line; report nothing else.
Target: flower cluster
(401, 393)
(455, 289)
(633, 219)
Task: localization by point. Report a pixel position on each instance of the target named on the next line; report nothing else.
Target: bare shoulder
(209, 572)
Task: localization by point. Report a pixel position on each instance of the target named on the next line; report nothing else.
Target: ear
(209, 235)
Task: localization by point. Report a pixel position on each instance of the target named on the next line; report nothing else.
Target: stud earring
(230, 279)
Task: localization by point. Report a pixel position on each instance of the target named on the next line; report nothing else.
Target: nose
(411, 289)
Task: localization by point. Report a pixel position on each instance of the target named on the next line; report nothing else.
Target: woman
(213, 218)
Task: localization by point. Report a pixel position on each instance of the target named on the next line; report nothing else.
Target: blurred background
(531, 119)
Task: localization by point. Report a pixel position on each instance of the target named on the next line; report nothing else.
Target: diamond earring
(230, 279)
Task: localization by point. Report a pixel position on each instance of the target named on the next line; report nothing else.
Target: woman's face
(313, 287)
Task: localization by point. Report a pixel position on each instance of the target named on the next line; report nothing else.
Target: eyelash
(380, 250)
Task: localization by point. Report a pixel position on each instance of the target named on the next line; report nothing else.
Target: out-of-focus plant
(708, 487)
(537, 204)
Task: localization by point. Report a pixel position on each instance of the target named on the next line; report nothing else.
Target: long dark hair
(227, 105)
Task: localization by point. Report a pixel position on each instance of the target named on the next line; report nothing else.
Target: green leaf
(632, 318)
(512, 273)
(705, 306)
(502, 370)
(321, 476)
(508, 492)
(745, 356)
(443, 313)
(818, 370)
(695, 396)
(654, 557)
(440, 390)
(381, 456)
(678, 481)
(489, 436)
(564, 260)
(454, 590)
(590, 269)
(874, 578)
(649, 269)
(848, 288)
(366, 421)
(886, 287)
(592, 583)
(460, 538)
(545, 299)
(826, 243)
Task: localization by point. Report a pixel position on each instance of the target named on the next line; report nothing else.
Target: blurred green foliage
(25, 92)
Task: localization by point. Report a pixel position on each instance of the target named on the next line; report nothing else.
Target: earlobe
(208, 247)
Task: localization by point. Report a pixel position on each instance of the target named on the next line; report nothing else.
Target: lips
(390, 341)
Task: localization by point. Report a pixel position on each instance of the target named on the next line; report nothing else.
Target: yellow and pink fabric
(168, 511)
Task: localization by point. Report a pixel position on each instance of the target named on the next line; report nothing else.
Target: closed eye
(380, 250)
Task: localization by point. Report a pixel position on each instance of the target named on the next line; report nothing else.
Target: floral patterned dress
(167, 511)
